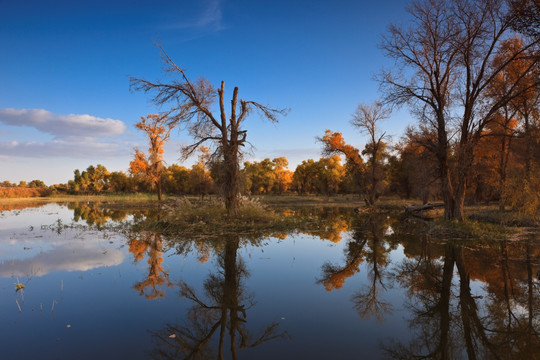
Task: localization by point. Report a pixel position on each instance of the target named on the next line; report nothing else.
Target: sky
(65, 101)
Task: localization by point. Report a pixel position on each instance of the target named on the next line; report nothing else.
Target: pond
(75, 285)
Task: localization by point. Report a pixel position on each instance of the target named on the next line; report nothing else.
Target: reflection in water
(451, 322)
(157, 280)
(459, 299)
(67, 257)
(222, 309)
(10, 206)
(330, 223)
(97, 213)
(367, 244)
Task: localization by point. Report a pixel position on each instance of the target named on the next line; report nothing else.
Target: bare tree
(367, 118)
(192, 108)
(444, 66)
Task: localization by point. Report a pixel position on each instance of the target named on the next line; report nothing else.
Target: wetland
(88, 280)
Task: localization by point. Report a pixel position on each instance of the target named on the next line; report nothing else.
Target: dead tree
(191, 108)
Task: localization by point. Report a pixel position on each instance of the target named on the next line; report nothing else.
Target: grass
(346, 201)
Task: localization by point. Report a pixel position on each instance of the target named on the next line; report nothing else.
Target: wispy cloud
(209, 18)
(63, 126)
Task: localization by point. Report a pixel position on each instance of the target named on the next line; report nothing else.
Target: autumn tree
(94, 179)
(415, 172)
(304, 177)
(191, 107)
(334, 144)
(158, 129)
(444, 66)
(259, 176)
(367, 119)
(263, 177)
(283, 176)
(119, 182)
(323, 176)
(200, 178)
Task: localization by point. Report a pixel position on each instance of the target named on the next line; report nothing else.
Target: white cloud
(62, 148)
(63, 126)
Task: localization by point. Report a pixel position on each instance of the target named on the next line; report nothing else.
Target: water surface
(354, 287)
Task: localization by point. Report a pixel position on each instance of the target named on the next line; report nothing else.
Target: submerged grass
(472, 229)
(211, 219)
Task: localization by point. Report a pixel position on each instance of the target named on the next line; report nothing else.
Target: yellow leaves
(158, 130)
(334, 142)
(139, 165)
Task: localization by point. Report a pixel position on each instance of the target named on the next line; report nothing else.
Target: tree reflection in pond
(368, 244)
(220, 310)
(450, 321)
(157, 280)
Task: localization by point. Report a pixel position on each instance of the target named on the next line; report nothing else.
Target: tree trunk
(459, 201)
(158, 183)
(231, 179)
(447, 188)
(528, 156)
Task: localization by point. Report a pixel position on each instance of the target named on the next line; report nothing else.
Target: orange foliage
(152, 245)
(334, 143)
(337, 279)
(333, 231)
(158, 132)
(139, 165)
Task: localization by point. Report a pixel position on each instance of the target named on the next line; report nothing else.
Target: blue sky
(65, 65)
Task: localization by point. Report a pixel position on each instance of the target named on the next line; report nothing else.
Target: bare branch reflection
(221, 310)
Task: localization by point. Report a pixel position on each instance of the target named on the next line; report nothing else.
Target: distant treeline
(408, 170)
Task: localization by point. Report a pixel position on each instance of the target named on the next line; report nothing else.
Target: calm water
(354, 287)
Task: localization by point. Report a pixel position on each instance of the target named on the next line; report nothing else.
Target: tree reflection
(368, 244)
(94, 214)
(326, 223)
(157, 279)
(450, 321)
(221, 310)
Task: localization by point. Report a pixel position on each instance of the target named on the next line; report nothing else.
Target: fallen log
(413, 208)
(427, 211)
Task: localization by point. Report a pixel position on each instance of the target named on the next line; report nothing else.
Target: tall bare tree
(191, 107)
(444, 66)
(367, 118)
